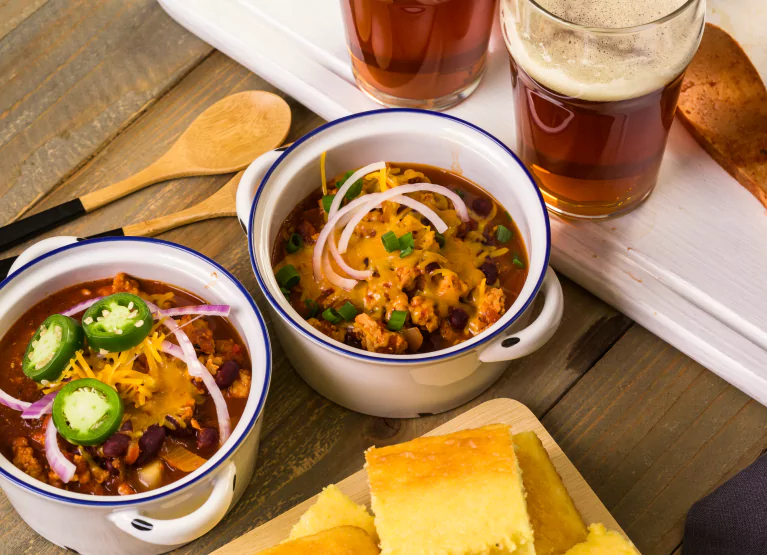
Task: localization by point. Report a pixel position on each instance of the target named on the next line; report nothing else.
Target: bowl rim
(110, 501)
(381, 358)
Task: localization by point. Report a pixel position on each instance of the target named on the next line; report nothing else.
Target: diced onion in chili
(62, 466)
(80, 307)
(40, 407)
(359, 174)
(197, 370)
(13, 402)
(202, 310)
(394, 193)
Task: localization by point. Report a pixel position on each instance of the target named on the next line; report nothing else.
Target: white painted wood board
(690, 264)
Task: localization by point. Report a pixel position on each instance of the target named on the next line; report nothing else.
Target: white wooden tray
(690, 264)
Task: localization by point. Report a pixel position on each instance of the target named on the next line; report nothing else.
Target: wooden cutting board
(504, 411)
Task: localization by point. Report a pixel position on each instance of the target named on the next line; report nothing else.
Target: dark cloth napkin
(732, 520)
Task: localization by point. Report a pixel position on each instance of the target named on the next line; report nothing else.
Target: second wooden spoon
(225, 138)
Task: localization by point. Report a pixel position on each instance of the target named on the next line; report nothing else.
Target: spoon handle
(32, 226)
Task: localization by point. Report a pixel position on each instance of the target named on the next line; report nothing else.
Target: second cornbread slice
(457, 494)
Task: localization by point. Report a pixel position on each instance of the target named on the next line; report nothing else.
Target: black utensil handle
(5, 266)
(6, 263)
(26, 228)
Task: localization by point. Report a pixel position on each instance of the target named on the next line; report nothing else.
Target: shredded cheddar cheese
(322, 174)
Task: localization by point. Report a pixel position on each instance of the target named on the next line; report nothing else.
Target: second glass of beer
(595, 85)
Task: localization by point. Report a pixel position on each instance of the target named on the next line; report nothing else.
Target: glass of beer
(595, 86)
(418, 53)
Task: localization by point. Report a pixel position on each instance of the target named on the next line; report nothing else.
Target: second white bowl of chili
(419, 304)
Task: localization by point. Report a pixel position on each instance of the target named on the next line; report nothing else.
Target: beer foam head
(601, 65)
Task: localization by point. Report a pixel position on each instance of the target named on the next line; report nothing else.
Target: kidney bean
(177, 429)
(127, 426)
(482, 206)
(227, 373)
(491, 272)
(207, 438)
(458, 318)
(150, 443)
(431, 266)
(116, 446)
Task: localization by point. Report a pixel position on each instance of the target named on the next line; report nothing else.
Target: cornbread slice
(604, 542)
(458, 494)
(557, 524)
(333, 509)
(344, 540)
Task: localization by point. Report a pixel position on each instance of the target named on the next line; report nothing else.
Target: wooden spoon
(218, 205)
(225, 138)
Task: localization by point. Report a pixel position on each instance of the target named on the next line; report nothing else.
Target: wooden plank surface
(650, 430)
(497, 411)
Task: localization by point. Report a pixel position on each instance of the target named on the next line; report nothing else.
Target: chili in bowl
(375, 267)
(125, 396)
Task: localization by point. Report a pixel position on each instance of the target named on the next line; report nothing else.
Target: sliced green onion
(287, 276)
(390, 241)
(294, 243)
(285, 292)
(406, 241)
(517, 262)
(312, 306)
(397, 320)
(459, 192)
(406, 252)
(439, 238)
(332, 316)
(503, 233)
(354, 191)
(348, 312)
(327, 200)
(508, 215)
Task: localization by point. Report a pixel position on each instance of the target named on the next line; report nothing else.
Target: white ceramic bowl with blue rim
(163, 519)
(401, 385)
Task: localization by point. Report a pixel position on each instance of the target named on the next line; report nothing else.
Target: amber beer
(593, 111)
(418, 53)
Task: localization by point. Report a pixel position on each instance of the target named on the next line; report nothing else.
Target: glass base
(437, 104)
(592, 213)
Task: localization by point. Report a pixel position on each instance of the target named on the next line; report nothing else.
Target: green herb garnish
(285, 292)
(332, 316)
(406, 241)
(397, 320)
(347, 312)
(294, 243)
(312, 306)
(439, 238)
(517, 262)
(287, 276)
(390, 241)
(327, 200)
(503, 233)
(460, 193)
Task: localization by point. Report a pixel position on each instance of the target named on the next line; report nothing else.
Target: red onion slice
(172, 349)
(13, 402)
(61, 465)
(203, 310)
(41, 407)
(81, 307)
(198, 371)
(359, 174)
(392, 194)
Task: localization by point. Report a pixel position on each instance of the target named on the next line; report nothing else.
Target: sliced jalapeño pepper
(87, 412)
(55, 342)
(117, 323)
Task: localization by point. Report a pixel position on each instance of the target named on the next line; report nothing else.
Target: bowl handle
(187, 528)
(532, 338)
(250, 181)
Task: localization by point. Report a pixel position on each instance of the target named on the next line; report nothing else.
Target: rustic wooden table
(92, 91)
